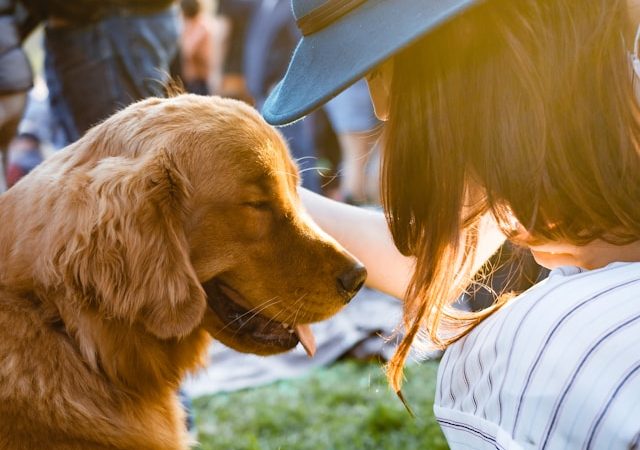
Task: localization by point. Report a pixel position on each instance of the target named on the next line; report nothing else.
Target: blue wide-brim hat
(342, 40)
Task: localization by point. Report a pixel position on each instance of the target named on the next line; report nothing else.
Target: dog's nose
(351, 281)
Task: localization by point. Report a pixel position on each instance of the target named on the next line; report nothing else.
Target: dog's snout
(351, 281)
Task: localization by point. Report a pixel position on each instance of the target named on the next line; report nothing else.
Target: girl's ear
(379, 81)
(129, 253)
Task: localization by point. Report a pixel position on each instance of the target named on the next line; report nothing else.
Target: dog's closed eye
(261, 205)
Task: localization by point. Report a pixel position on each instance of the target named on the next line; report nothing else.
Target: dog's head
(185, 213)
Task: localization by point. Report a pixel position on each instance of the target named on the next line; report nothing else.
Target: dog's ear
(129, 254)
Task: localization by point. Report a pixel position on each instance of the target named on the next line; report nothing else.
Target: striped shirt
(557, 368)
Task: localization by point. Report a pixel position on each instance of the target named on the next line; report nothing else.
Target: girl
(504, 119)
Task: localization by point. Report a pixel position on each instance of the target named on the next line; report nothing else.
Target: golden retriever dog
(174, 221)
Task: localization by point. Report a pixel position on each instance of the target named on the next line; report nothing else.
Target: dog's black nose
(352, 280)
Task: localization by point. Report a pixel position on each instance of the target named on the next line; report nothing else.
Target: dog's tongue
(307, 339)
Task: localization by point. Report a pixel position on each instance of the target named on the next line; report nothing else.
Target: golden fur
(113, 252)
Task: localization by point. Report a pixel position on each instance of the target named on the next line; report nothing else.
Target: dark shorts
(96, 69)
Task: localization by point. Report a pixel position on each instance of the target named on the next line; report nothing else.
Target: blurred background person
(356, 127)
(234, 17)
(102, 55)
(270, 39)
(37, 137)
(15, 81)
(196, 48)
(24, 155)
(39, 120)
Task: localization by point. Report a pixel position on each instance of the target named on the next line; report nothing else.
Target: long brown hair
(518, 108)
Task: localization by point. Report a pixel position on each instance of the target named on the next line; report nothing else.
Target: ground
(344, 407)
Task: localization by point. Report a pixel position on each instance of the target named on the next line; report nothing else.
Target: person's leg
(198, 87)
(356, 149)
(94, 70)
(145, 46)
(80, 74)
(352, 118)
(11, 109)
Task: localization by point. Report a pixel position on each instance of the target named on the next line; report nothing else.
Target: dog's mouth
(239, 321)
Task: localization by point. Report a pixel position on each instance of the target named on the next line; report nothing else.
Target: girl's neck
(594, 255)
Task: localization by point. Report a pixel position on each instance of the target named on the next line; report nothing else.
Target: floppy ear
(129, 253)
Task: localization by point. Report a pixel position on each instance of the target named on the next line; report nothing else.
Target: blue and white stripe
(557, 368)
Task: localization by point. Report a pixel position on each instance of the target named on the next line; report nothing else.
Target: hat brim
(330, 60)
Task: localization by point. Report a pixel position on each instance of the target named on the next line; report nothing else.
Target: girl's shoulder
(562, 356)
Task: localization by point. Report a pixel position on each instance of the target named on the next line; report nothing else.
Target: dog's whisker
(295, 317)
(330, 179)
(306, 157)
(261, 307)
(319, 169)
(275, 318)
(265, 303)
(257, 311)
(295, 303)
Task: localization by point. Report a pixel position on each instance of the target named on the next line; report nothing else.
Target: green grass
(345, 407)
